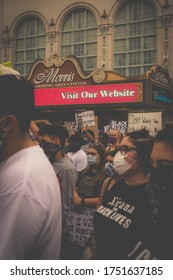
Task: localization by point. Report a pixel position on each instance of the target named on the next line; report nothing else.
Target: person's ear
(57, 141)
(9, 123)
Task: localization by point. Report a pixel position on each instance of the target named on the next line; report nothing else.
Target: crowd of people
(71, 195)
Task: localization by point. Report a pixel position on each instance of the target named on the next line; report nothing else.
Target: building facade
(126, 36)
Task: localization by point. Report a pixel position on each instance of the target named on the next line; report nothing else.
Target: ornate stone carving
(99, 76)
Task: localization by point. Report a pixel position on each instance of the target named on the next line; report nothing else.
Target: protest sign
(152, 121)
(120, 125)
(86, 117)
(80, 225)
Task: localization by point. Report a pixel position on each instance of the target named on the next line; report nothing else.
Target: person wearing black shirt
(118, 221)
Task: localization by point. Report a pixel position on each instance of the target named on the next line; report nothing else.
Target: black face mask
(73, 148)
(50, 149)
(160, 190)
(162, 179)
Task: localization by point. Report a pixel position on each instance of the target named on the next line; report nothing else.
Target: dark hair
(102, 153)
(17, 98)
(112, 153)
(144, 143)
(41, 124)
(165, 135)
(54, 130)
(105, 138)
(77, 138)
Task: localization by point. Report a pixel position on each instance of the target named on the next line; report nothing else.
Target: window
(135, 38)
(29, 44)
(79, 37)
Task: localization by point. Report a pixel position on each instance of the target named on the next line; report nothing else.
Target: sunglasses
(124, 149)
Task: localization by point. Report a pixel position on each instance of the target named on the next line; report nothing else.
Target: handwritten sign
(152, 121)
(80, 221)
(86, 117)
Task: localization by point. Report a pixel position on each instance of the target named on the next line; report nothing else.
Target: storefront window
(135, 38)
(79, 37)
(29, 44)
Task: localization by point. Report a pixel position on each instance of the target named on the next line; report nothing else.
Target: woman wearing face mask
(88, 189)
(124, 207)
(89, 183)
(111, 176)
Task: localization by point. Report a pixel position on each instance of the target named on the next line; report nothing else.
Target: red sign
(99, 94)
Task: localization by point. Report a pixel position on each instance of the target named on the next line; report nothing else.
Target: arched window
(29, 44)
(79, 37)
(135, 38)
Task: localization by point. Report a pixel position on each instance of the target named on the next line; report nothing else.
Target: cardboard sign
(86, 117)
(120, 125)
(80, 225)
(152, 121)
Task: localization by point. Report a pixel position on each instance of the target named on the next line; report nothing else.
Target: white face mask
(120, 164)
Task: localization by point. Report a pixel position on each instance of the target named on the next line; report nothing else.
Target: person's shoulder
(64, 163)
(106, 180)
(119, 184)
(81, 153)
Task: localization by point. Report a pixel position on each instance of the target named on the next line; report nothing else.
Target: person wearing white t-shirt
(30, 200)
(76, 154)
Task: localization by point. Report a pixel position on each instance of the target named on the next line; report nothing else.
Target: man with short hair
(53, 141)
(76, 154)
(30, 200)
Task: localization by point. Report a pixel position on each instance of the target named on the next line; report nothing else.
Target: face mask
(161, 179)
(50, 149)
(91, 160)
(160, 192)
(120, 164)
(112, 139)
(109, 169)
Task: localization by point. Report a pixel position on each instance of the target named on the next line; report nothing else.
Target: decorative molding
(5, 42)
(104, 15)
(104, 29)
(166, 5)
(51, 36)
(166, 20)
(99, 76)
(165, 43)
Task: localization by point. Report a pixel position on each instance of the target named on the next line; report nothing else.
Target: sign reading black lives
(120, 125)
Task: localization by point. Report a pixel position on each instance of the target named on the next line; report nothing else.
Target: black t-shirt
(88, 186)
(119, 220)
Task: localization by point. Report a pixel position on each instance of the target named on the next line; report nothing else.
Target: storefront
(62, 88)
